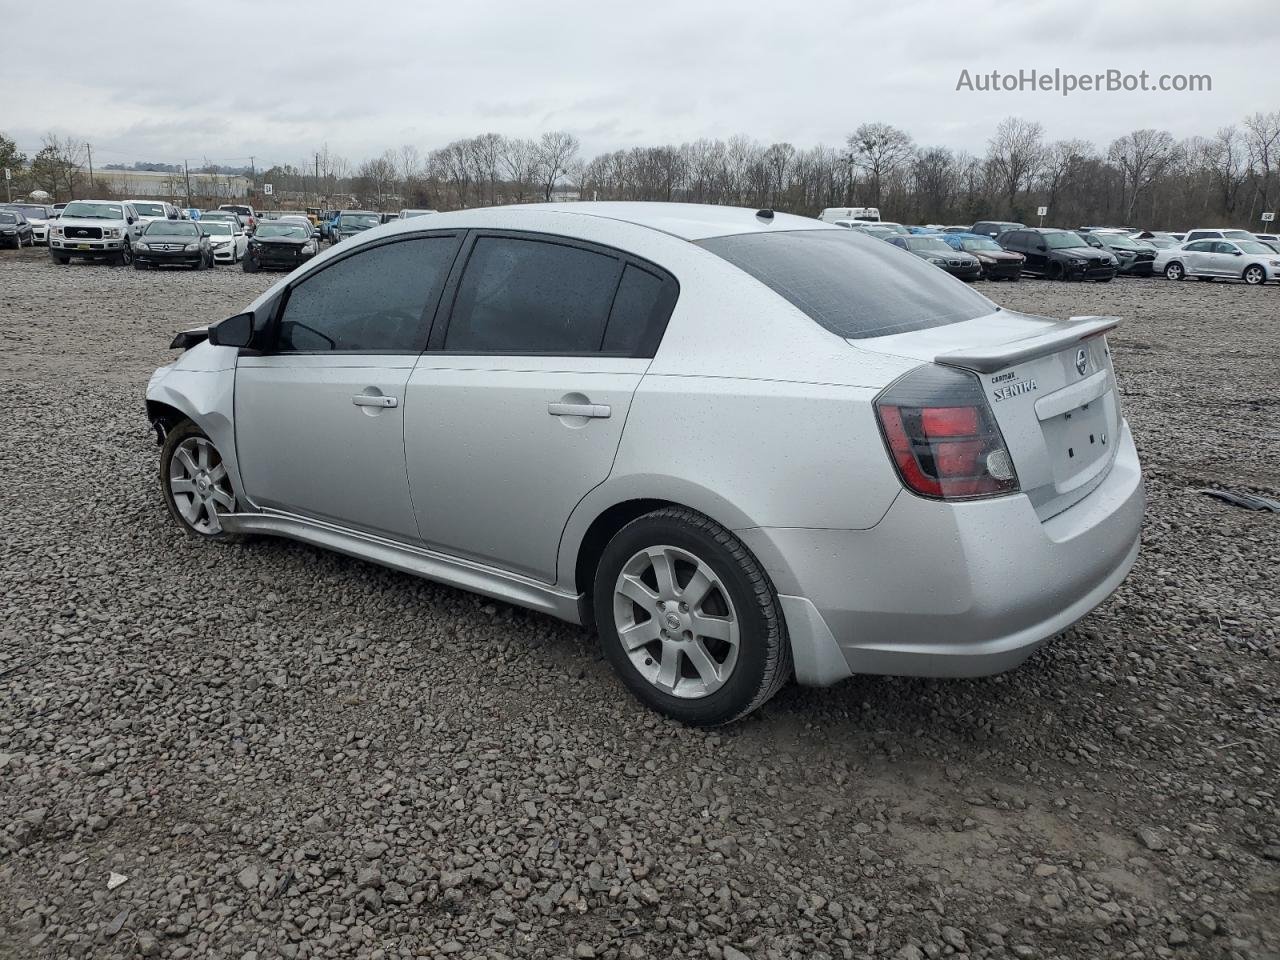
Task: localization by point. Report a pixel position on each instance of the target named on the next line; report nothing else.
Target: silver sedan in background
(744, 446)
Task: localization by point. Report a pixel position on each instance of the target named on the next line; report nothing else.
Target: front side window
(850, 284)
(374, 301)
(531, 296)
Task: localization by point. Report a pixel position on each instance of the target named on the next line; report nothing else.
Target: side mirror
(128, 219)
(1041, 247)
(1238, 253)
(234, 331)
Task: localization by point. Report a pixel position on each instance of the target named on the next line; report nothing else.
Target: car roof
(689, 221)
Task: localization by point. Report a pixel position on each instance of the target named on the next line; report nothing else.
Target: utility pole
(89, 149)
(253, 175)
(317, 178)
(186, 175)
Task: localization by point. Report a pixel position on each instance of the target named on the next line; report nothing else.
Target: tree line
(1144, 177)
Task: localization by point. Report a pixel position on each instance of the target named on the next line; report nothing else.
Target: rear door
(516, 411)
(1226, 259)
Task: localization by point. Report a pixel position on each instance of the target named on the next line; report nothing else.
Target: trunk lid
(1050, 386)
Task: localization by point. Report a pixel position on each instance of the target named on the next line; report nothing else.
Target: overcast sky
(226, 80)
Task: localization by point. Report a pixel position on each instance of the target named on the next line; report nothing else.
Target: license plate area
(1080, 443)
(83, 246)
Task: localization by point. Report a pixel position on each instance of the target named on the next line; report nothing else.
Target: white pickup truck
(95, 229)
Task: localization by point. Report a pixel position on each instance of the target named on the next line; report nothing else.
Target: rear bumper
(951, 590)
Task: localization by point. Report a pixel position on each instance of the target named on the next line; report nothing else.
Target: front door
(320, 415)
(516, 414)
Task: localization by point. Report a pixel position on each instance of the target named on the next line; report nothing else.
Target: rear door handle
(595, 410)
(374, 400)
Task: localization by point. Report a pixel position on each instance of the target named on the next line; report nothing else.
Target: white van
(832, 214)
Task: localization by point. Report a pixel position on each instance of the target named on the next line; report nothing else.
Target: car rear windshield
(8, 218)
(853, 285)
(149, 209)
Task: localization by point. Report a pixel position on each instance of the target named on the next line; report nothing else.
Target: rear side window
(635, 310)
(374, 301)
(531, 296)
(852, 285)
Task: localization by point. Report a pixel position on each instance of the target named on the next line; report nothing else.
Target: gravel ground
(291, 753)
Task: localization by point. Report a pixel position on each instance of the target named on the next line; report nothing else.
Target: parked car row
(1005, 249)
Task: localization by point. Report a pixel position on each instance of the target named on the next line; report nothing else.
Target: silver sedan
(744, 446)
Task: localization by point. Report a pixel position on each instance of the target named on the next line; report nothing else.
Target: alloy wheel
(1254, 275)
(200, 486)
(676, 622)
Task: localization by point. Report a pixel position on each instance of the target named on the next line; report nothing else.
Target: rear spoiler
(1058, 337)
(189, 338)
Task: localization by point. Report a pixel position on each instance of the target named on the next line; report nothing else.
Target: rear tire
(674, 573)
(1174, 271)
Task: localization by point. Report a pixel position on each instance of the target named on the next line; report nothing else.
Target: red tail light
(942, 437)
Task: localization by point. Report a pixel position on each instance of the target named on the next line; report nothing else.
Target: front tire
(1254, 275)
(125, 257)
(689, 619)
(195, 482)
(249, 265)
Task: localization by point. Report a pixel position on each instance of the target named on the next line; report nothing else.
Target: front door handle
(374, 400)
(594, 410)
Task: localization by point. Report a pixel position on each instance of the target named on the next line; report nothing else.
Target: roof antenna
(766, 214)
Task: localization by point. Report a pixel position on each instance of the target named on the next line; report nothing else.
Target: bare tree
(1014, 156)
(1140, 157)
(880, 151)
(1262, 139)
(57, 167)
(556, 153)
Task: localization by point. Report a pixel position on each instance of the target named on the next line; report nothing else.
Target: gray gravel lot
(292, 753)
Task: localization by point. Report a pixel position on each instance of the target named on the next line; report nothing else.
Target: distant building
(171, 186)
(561, 195)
